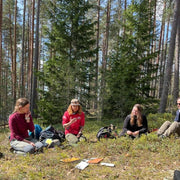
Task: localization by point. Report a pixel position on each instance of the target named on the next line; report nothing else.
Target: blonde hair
(139, 116)
(21, 102)
(70, 111)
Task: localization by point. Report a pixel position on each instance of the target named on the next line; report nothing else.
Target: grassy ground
(146, 158)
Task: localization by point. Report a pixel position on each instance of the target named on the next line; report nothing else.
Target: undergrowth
(147, 157)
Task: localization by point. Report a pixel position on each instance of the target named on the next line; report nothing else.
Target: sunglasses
(178, 104)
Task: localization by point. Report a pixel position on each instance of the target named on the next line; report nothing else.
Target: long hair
(21, 102)
(139, 115)
(70, 111)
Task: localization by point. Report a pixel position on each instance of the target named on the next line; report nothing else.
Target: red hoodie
(19, 127)
(75, 127)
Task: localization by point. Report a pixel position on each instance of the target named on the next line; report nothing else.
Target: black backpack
(176, 175)
(51, 133)
(107, 132)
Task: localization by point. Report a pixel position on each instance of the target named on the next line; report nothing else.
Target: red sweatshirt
(19, 127)
(75, 127)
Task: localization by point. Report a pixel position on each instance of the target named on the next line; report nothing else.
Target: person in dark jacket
(135, 123)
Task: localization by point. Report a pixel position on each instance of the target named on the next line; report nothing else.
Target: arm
(67, 121)
(68, 124)
(31, 124)
(145, 125)
(13, 128)
(82, 125)
(177, 116)
(29, 142)
(126, 125)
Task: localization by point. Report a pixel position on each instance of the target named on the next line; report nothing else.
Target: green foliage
(131, 69)
(142, 158)
(70, 70)
(156, 120)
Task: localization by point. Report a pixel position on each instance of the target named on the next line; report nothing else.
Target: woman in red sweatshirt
(73, 121)
(20, 122)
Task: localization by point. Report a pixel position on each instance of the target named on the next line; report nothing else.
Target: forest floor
(145, 158)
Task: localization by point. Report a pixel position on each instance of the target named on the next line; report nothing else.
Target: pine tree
(69, 71)
(130, 67)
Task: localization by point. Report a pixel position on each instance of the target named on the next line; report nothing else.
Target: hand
(31, 143)
(79, 134)
(135, 133)
(73, 120)
(27, 117)
(129, 132)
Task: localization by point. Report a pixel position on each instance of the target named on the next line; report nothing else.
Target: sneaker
(19, 152)
(162, 136)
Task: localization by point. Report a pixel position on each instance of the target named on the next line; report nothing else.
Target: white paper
(107, 164)
(82, 165)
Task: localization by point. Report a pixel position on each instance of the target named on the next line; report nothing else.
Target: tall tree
(14, 55)
(36, 57)
(176, 68)
(31, 50)
(168, 73)
(163, 56)
(70, 70)
(22, 88)
(131, 67)
(1, 59)
(104, 58)
(97, 53)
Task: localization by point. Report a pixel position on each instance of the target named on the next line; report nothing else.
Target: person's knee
(29, 149)
(39, 145)
(167, 122)
(71, 138)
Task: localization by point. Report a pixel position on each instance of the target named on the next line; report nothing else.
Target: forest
(108, 54)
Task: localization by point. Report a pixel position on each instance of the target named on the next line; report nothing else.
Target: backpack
(176, 175)
(106, 132)
(51, 133)
(36, 133)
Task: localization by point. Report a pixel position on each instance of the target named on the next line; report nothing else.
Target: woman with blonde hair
(20, 122)
(73, 121)
(135, 124)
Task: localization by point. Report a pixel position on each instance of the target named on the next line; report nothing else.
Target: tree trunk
(36, 56)
(160, 49)
(14, 55)
(11, 51)
(176, 68)
(22, 86)
(167, 78)
(31, 53)
(164, 58)
(97, 54)
(1, 59)
(104, 59)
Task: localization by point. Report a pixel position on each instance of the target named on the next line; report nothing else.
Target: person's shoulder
(66, 113)
(128, 116)
(12, 115)
(82, 113)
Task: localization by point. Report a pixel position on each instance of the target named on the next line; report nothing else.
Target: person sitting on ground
(73, 121)
(168, 128)
(20, 122)
(135, 124)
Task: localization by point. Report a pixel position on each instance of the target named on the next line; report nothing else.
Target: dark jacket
(127, 126)
(177, 118)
